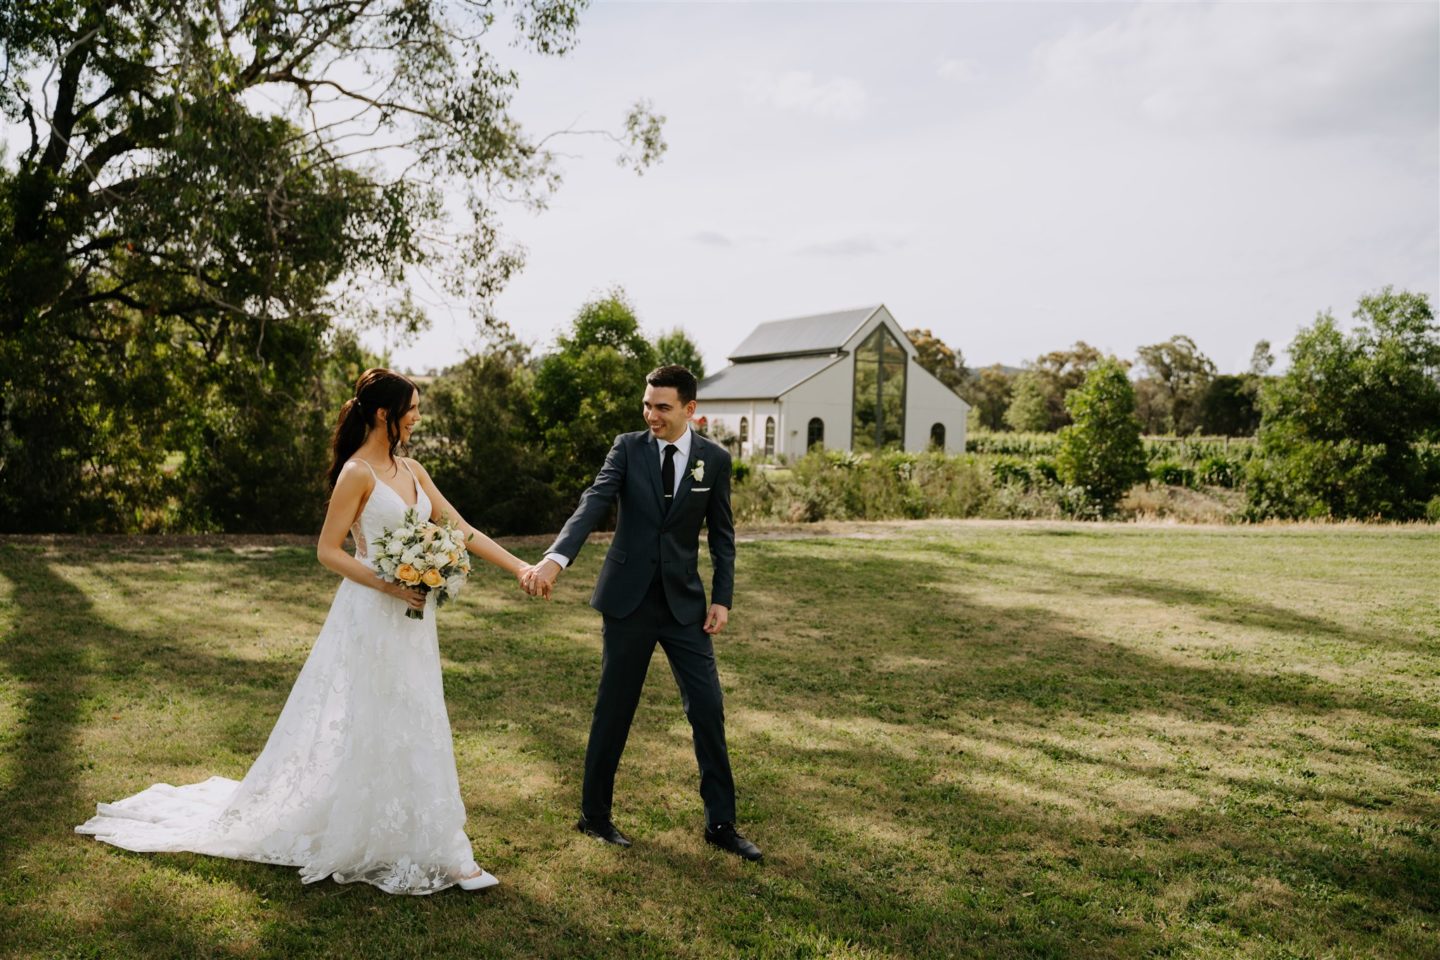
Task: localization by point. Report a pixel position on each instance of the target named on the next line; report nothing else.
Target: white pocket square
(698, 489)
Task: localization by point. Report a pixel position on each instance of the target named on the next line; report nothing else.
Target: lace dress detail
(357, 780)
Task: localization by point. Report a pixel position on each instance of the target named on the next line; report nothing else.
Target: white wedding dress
(357, 780)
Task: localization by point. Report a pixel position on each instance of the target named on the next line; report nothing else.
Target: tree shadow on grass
(47, 659)
(66, 659)
(851, 831)
(1224, 608)
(990, 658)
(1214, 605)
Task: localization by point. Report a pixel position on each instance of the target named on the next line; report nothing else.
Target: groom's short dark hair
(674, 375)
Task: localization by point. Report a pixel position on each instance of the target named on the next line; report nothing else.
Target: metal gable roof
(819, 333)
(762, 379)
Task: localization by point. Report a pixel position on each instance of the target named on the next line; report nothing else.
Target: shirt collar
(682, 443)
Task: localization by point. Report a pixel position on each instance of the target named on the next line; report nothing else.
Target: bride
(357, 780)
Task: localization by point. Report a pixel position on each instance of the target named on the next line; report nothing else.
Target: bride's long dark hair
(377, 389)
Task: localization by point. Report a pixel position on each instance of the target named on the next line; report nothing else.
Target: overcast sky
(1013, 176)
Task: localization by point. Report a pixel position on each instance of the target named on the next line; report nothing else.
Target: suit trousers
(628, 644)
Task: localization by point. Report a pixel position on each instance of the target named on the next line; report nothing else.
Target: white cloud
(839, 98)
(1289, 69)
(955, 70)
(713, 238)
(852, 246)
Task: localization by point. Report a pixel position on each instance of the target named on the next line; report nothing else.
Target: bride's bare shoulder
(355, 476)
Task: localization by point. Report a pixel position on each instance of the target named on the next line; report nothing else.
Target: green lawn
(952, 740)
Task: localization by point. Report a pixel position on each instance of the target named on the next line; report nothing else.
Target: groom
(668, 480)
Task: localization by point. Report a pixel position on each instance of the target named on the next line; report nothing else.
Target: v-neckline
(398, 495)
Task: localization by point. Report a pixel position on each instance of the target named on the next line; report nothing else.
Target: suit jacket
(648, 536)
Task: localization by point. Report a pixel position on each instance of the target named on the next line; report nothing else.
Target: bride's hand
(414, 599)
(530, 581)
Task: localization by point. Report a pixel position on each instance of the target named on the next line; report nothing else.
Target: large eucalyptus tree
(190, 195)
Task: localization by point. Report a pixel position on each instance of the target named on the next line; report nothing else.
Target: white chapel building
(846, 380)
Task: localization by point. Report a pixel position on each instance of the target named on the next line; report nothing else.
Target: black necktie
(667, 473)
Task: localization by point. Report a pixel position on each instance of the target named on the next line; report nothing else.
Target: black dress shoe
(602, 830)
(727, 838)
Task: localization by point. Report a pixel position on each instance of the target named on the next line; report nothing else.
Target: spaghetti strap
(413, 479)
(367, 465)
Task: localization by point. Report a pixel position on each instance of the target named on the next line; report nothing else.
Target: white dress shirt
(681, 459)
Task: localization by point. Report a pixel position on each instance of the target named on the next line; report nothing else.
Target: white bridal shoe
(476, 879)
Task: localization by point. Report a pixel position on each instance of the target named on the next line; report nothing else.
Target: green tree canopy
(944, 362)
(1061, 371)
(1262, 358)
(677, 347)
(1229, 407)
(1345, 430)
(1100, 452)
(482, 444)
(988, 393)
(1180, 375)
(1029, 409)
(589, 390)
(204, 189)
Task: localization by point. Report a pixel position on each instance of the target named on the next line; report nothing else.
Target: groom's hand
(718, 617)
(526, 576)
(539, 580)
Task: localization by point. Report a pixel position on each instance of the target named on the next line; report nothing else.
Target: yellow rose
(432, 578)
(407, 574)
(454, 557)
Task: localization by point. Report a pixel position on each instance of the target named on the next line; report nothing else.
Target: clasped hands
(539, 580)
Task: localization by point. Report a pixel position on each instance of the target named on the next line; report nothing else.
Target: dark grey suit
(649, 592)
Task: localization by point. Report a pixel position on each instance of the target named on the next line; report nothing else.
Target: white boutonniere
(698, 471)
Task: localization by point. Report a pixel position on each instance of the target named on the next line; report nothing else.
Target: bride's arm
(476, 542)
(351, 489)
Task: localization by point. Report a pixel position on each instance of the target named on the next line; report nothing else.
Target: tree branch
(309, 84)
(63, 122)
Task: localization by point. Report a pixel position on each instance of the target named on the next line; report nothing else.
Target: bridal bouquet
(422, 554)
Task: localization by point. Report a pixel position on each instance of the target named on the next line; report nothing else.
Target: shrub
(739, 470)
(1432, 509)
(1218, 471)
(1172, 474)
(1319, 478)
(756, 499)
(886, 486)
(1010, 470)
(1100, 452)
(1345, 429)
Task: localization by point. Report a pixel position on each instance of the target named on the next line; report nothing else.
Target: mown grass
(952, 739)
